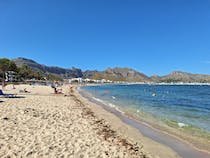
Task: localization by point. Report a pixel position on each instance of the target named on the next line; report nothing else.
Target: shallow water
(188, 105)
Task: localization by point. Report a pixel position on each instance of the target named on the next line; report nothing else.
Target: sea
(184, 105)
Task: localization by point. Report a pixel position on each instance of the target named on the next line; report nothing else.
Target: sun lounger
(7, 95)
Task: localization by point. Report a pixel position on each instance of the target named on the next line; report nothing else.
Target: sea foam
(180, 124)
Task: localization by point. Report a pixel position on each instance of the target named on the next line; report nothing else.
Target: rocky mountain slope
(179, 76)
(64, 73)
(120, 74)
(114, 74)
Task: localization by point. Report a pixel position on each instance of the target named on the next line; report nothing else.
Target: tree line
(24, 72)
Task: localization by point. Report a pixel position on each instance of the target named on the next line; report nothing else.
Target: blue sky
(151, 36)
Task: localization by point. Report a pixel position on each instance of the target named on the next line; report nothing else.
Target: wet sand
(182, 148)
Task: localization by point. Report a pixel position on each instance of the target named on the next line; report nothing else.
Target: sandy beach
(42, 124)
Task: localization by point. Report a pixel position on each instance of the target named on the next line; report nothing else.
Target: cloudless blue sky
(151, 36)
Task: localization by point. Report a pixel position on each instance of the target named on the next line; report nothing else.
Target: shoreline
(43, 124)
(156, 149)
(152, 83)
(168, 138)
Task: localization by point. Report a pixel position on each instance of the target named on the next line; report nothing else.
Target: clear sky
(151, 36)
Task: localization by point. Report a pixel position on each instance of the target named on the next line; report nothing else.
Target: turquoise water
(185, 104)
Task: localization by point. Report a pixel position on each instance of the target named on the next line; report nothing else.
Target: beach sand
(42, 124)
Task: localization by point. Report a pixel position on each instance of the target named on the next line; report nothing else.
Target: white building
(10, 76)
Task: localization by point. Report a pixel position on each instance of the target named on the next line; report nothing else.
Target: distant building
(87, 80)
(10, 76)
(76, 80)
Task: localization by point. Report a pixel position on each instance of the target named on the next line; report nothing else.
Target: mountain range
(61, 72)
(114, 74)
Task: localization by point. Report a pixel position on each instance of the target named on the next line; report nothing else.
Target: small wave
(99, 100)
(122, 112)
(111, 105)
(180, 124)
(116, 108)
(113, 97)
